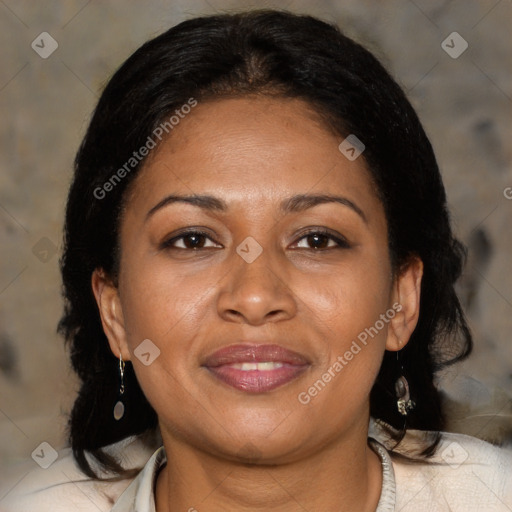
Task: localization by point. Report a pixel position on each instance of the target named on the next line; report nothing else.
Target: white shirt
(465, 475)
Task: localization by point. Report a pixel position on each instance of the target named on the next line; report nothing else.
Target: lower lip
(257, 381)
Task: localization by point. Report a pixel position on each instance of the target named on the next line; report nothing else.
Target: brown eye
(193, 240)
(318, 241)
(321, 240)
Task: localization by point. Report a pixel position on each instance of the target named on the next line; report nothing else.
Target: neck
(345, 475)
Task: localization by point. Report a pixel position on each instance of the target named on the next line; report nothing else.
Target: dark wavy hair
(278, 54)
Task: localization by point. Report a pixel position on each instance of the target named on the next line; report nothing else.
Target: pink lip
(220, 364)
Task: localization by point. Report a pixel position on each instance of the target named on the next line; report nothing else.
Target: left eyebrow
(296, 203)
(301, 202)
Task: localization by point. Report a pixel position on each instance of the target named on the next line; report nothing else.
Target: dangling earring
(404, 402)
(119, 407)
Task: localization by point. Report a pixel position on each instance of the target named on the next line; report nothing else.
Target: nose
(256, 293)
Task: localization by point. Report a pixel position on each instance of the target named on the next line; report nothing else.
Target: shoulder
(465, 474)
(62, 486)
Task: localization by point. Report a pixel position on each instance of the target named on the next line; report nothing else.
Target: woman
(259, 278)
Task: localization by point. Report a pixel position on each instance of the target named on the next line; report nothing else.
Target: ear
(111, 313)
(405, 298)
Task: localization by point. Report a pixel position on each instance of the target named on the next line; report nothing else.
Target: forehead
(253, 150)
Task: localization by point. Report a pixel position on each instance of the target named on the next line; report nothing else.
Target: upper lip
(244, 353)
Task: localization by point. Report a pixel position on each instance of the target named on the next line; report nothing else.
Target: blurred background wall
(49, 84)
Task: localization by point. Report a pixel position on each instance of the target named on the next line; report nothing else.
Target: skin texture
(227, 449)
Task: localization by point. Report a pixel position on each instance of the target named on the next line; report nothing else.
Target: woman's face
(266, 330)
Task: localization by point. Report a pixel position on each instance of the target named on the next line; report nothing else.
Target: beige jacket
(466, 475)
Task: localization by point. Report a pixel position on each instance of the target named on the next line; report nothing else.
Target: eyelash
(340, 241)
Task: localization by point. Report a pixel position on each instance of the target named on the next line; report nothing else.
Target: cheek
(157, 302)
(347, 306)
(166, 308)
(349, 298)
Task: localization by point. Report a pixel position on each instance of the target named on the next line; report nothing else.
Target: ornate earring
(403, 395)
(119, 407)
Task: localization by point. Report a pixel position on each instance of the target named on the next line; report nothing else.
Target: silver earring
(404, 402)
(119, 407)
(403, 395)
